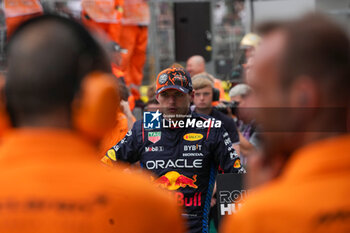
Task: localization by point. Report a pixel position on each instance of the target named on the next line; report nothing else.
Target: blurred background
(213, 29)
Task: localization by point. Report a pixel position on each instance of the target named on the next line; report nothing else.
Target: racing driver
(184, 149)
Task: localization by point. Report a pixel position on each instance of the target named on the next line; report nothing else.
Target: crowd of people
(74, 158)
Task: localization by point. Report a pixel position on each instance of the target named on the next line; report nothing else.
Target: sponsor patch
(154, 136)
(122, 141)
(162, 79)
(116, 147)
(237, 164)
(192, 147)
(178, 163)
(173, 180)
(233, 155)
(227, 141)
(192, 154)
(154, 148)
(193, 137)
(111, 155)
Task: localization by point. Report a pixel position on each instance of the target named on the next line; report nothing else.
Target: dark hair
(318, 48)
(48, 56)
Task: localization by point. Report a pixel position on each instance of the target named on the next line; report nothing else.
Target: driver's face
(174, 102)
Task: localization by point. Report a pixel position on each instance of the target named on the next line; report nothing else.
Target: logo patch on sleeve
(111, 155)
(237, 164)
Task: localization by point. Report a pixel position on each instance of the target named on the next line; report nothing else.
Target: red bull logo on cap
(174, 180)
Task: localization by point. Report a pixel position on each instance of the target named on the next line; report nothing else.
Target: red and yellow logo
(237, 164)
(193, 137)
(174, 180)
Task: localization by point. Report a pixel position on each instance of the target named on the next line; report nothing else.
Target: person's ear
(95, 106)
(304, 100)
(304, 93)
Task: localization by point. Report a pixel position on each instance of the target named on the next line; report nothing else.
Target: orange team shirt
(135, 12)
(101, 11)
(52, 182)
(99, 15)
(18, 11)
(312, 195)
(116, 134)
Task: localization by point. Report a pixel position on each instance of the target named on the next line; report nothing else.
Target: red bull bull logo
(173, 181)
(184, 181)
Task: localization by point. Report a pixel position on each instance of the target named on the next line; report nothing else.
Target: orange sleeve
(116, 134)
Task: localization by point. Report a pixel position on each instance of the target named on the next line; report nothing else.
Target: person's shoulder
(135, 193)
(138, 123)
(254, 209)
(265, 192)
(137, 126)
(127, 200)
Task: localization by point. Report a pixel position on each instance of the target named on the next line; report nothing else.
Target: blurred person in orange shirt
(51, 180)
(302, 90)
(132, 34)
(18, 11)
(99, 15)
(196, 65)
(116, 58)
